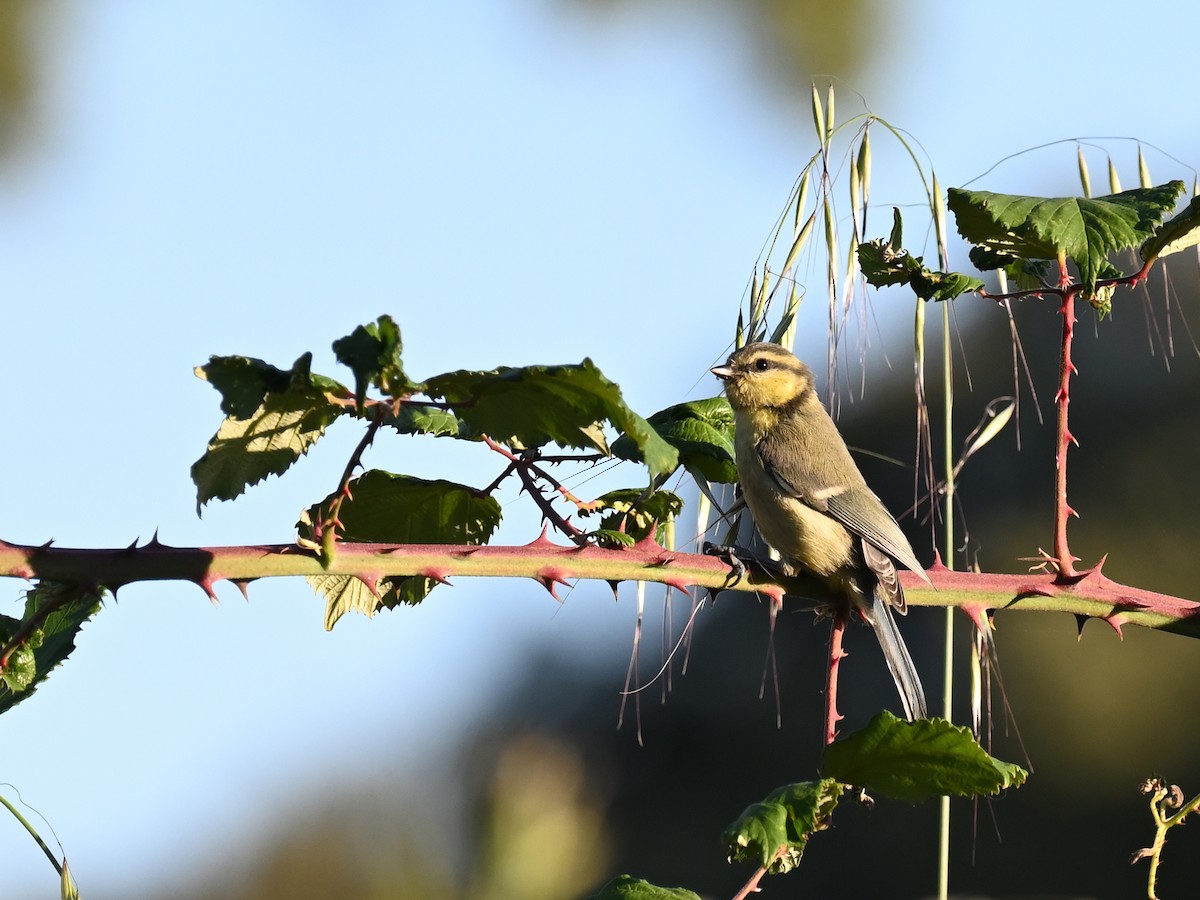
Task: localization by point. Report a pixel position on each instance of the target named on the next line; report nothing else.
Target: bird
(811, 503)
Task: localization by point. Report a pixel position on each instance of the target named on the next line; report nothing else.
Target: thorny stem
(836, 654)
(1063, 559)
(751, 886)
(331, 522)
(1062, 399)
(523, 465)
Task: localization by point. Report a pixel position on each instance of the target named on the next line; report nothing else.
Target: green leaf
(702, 433)
(885, 263)
(1175, 234)
(538, 405)
(47, 644)
(1085, 230)
(423, 418)
(244, 383)
(917, 761)
(248, 448)
(634, 512)
(626, 887)
(373, 353)
(787, 816)
(398, 509)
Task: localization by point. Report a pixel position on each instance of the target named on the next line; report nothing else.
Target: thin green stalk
(948, 561)
(37, 837)
(939, 219)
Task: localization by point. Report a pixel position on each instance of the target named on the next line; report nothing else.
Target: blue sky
(515, 183)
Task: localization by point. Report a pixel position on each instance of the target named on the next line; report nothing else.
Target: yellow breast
(803, 536)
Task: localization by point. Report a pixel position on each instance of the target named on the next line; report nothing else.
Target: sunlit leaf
(917, 761)
(244, 382)
(49, 642)
(1085, 230)
(1175, 234)
(398, 509)
(635, 512)
(785, 818)
(538, 405)
(245, 450)
(702, 433)
(626, 887)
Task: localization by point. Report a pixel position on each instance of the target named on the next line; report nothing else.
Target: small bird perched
(811, 503)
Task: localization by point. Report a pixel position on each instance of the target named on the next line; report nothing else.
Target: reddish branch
(751, 886)
(1063, 560)
(1088, 593)
(1062, 400)
(836, 653)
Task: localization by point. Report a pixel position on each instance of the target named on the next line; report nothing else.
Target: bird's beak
(722, 372)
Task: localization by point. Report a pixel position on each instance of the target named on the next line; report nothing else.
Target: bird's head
(764, 376)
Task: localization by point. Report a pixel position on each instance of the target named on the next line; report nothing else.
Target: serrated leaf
(48, 644)
(1085, 230)
(245, 450)
(1175, 234)
(538, 405)
(626, 887)
(372, 352)
(635, 511)
(701, 431)
(398, 509)
(787, 816)
(917, 761)
(244, 382)
(612, 540)
(885, 263)
(422, 418)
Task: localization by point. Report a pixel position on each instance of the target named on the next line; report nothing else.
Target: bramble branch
(1087, 594)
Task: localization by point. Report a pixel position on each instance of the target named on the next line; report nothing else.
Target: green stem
(37, 837)
(948, 562)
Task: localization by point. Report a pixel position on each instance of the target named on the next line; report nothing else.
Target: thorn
(612, 583)
(774, 594)
(440, 575)
(549, 577)
(938, 565)
(979, 614)
(649, 542)
(155, 543)
(206, 584)
(679, 584)
(132, 548)
(543, 539)
(1116, 620)
(371, 582)
(241, 584)
(1080, 621)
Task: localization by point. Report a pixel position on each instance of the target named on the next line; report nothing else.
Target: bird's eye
(761, 365)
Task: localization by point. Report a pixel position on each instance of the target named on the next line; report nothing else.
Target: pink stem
(832, 716)
(1062, 399)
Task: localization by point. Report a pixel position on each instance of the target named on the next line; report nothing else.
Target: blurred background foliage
(547, 798)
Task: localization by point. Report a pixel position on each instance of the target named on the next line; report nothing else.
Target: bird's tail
(895, 653)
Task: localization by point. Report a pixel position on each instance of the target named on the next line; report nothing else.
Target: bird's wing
(852, 504)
